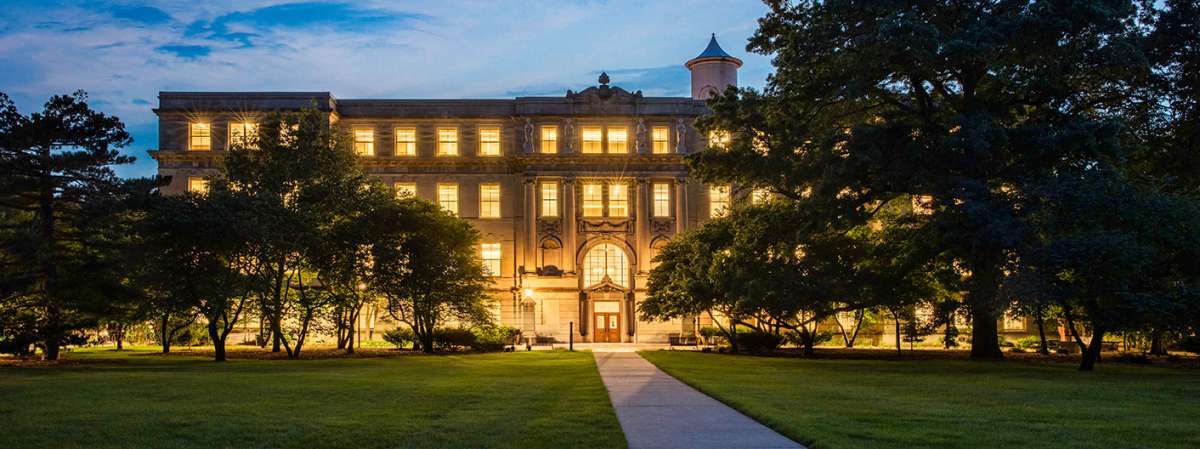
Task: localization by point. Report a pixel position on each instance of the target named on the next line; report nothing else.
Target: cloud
(186, 51)
(248, 26)
(146, 15)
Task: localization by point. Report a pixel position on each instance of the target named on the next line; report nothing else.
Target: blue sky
(123, 53)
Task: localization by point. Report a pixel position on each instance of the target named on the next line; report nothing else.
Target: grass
(863, 404)
(134, 399)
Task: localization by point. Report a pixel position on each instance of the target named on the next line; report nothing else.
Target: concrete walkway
(657, 411)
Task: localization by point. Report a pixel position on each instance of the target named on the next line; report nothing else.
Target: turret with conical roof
(712, 71)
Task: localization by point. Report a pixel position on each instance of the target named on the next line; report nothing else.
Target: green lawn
(862, 404)
(140, 400)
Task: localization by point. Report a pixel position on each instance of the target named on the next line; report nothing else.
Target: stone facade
(548, 229)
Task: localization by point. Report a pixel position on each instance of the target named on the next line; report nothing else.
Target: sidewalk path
(657, 411)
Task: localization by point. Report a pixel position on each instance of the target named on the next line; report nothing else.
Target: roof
(714, 52)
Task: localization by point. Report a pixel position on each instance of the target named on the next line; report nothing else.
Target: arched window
(603, 260)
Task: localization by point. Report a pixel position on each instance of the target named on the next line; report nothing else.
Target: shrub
(494, 338)
(1029, 342)
(401, 337)
(712, 334)
(1190, 344)
(453, 338)
(757, 341)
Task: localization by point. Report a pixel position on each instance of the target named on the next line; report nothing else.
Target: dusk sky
(124, 53)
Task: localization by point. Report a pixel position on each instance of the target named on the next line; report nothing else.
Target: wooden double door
(608, 327)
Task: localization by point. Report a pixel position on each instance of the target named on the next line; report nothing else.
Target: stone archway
(606, 286)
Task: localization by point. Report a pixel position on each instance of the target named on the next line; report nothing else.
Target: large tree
(426, 264)
(58, 194)
(963, 103)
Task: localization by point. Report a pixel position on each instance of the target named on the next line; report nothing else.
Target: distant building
(573, 195)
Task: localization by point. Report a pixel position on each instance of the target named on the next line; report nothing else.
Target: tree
(426, 265)
(1111, 269)
(962, 103)
(297, 174)
(56, 193)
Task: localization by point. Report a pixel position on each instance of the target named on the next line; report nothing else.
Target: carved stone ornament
(639, 136)
(662, 227)
(680, 136)
(528, 135)
(549, 228)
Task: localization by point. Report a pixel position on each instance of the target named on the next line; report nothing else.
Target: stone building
(573, 195)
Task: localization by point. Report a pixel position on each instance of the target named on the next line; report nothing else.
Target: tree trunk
(985, 333)
(218, 341)
(166, 334)
(896, 318)
(1092, 354)
(1044, 349)
(1158, 344)
(51, 350)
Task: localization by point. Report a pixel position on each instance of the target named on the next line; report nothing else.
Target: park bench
(674, 340)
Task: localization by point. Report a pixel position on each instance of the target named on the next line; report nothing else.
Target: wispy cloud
(123, 52)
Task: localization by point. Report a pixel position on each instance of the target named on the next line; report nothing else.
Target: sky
(123, 52)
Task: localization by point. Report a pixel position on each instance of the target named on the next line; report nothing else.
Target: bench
(683, 340)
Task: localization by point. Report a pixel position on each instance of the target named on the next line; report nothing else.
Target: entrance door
(608, 328)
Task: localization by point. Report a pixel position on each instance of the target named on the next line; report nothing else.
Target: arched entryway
(606, 283)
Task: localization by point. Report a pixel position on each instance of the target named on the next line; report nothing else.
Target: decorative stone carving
(549, 227)
(603, 93)
(639, 136)
(661, 227)
(605, 226)
(528, 135)
(680, 136)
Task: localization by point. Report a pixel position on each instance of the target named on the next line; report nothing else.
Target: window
(718, 200)
(549, 139)
(489, 201)
(618, 140)
(447, 195)
(660, 140)
(199, 136)
(490, 253)
(242, 133)
(760, 196)
(592, 140)
(404, 189)
(718, 139)
(922, 204)
(661, 199)
(197, 185)
(593, 199)
(549, 199)
(406, 142)
(364, 141)
(618, 200)
(603, 260)
(447, 142)
(288, 131)
(489, 141)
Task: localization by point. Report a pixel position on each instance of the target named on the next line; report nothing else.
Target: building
(573, 195)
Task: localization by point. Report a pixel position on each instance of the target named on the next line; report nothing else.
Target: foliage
(1029, 342)
(62, 219)
(494, 338)
(400, 337)
(453, 338)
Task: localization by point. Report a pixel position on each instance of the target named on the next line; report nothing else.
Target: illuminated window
(618, 200)
(1014, 322)
(405, 189)
(197, 185)
(242, 133)
(604, 260)
(490, 253)
(660, 140)
(718, 200)
(922, 204)
(406, 142)
(447, 195)
(760, 196)
(489, 201)
(593, 199)
(199, 136)
(489, 141)
(661, 199)
(550, 139)
(286, 131)
(618, 140)
(592, 143)
(447, 142)
(719, 139)
(549, 199)
(364, 141)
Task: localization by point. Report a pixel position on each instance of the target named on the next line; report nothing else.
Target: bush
(400, 337)
(1029, 342)
(793, 338)
(712, 335)
(757, 341)
(494, 338)
(453, 338)
(1190, 344)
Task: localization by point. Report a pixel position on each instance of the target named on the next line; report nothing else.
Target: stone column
(568, 217)
(681, 201)
(530, 224)
(642, 221)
